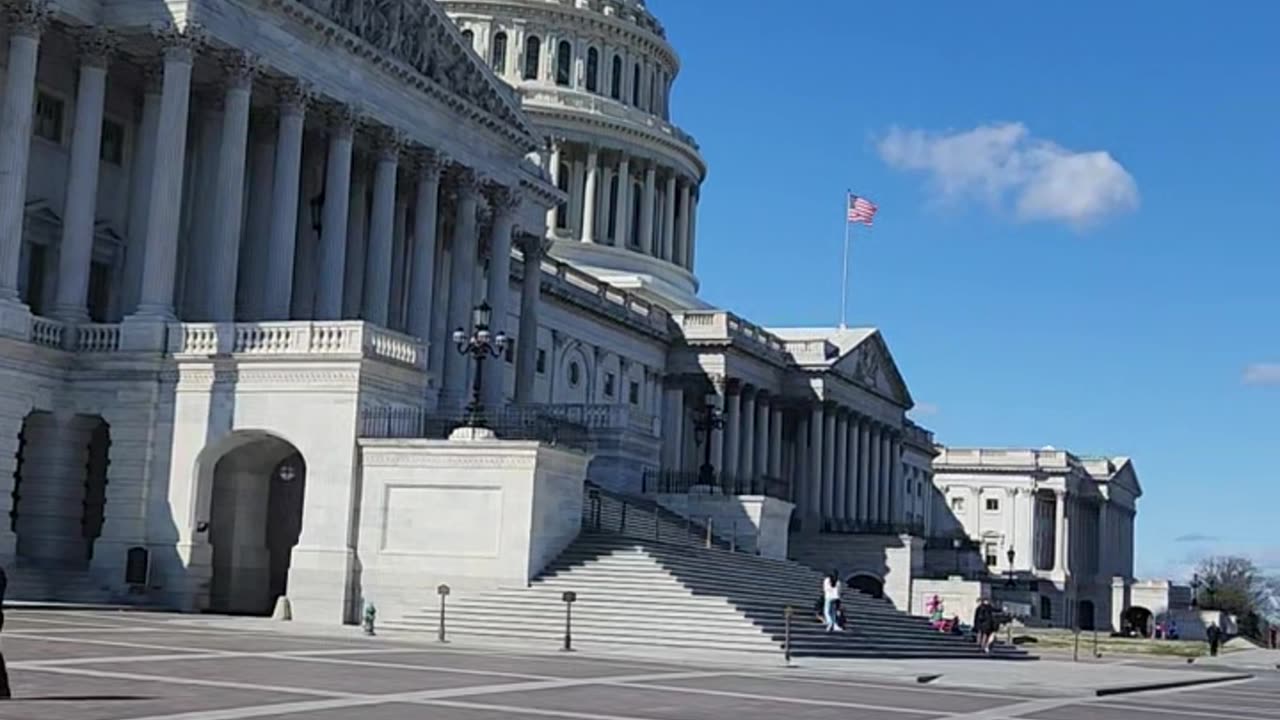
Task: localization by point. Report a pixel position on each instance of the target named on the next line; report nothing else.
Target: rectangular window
(509, 354)
(957, 504)
(989, 553)
(609, 381)
(48, 117)
(634, 394)
(541, 365)
(112, 150)
(993, 505)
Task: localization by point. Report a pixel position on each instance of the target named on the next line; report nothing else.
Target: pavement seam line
(771, 698)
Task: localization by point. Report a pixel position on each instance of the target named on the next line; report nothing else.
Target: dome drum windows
(532, 57)
(564, 63)
(498, 53)
(593, 70)
(615, 79)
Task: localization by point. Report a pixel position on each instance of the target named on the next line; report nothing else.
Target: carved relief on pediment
(868, 365)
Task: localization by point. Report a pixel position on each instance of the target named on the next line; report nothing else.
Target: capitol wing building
(237, 238)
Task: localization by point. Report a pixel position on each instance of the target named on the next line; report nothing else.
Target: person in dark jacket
(984, 625)
(1214, 635)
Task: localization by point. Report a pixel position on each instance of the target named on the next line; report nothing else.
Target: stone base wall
(892, 559)
(754, 523)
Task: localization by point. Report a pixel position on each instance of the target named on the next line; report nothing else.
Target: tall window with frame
(498, 53)
(635, 85)
(653, 91)
(470, 37)
(612, 222)
(634, 239)
(532, 56)
(593, 70)
(615, 79)
(562, 210)
(564, 63)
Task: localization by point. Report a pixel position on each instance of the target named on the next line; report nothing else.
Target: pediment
(870, 365)
(1127, 477)
(417, 33)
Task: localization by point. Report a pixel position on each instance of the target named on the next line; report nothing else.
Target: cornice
(545, 114)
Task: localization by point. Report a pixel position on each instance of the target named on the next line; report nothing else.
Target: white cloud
(1262, 374)
(1002, 164)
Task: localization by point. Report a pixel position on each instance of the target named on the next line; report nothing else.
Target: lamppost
(1211, 587)
(1011, 555)
(1195, 590)
(704, 423)
(480, 345)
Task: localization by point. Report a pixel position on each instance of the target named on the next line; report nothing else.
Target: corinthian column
(531, 247)
(681, 247)
(144, 161)
(669, 221)
(622, 228)
(76, 250)
(422, 273)
(462, 270)
(164, 212)
(278, 292)
(377, 277)
(337, 203)
(589, 195)
(646, 208)
(26, 22)
(229, 190)
(506, 205)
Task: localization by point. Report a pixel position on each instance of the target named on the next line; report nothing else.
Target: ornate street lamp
(1011, 554)
(704, 423)
(481, 345)
(1195, 590)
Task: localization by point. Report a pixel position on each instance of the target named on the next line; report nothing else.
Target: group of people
(830, 609)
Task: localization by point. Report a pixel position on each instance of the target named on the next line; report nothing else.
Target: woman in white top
(830, 597)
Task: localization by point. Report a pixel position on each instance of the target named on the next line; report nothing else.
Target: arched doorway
(1136, 619)
(60, 488)
(867, 585)
(1085, 615)
(255, 519)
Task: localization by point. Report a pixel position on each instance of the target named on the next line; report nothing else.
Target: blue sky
(1077, 242)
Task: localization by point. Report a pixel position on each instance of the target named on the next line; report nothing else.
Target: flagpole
(844, 280)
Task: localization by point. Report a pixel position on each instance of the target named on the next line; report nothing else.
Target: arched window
(635, 85)
(653, 91)
(498, 53)
(612, 222)
(562, 210)
(532, 54)
(564, 63)
(593, 70)
(615, 79)
(469, 36)
(634, 240)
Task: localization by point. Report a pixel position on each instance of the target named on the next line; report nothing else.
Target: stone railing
(1048, 459)
(719, 325)
(49, 333)
(608, 108)
(622, 303)
(86, 338)
(297, 338)
(918, 435)
(810, 351)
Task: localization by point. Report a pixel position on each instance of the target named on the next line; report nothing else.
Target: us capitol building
(236, 238)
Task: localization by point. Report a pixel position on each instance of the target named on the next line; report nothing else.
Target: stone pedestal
(754, 523)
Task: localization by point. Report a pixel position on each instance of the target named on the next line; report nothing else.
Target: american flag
(861, 210)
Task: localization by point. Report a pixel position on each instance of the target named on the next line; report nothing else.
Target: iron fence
(670, 482)
(508, 423)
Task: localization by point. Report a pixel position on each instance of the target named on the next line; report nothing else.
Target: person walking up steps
(830, 601)
(984, 625)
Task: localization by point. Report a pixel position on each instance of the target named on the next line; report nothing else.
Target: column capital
(387, 144)
(532, 246)
(179, 44)
(429, 163)
(96, 46)
(28, 18)
(343, 119)
(465, 181)
(293, 96)
(239, 69)
(504, 201)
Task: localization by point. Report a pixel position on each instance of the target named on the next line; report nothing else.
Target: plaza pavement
(132, 666)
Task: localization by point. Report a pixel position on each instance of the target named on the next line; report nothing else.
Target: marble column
(144, 161)
(1059, 532)
(732, 432)
(673, 425)
(851, 469)
(590, 195)
(286, 177)
(382, 219)
(332, 259)
(461, 280)
(747, 460)
(841, 479)
(775, 439)
(896, 483)
(399, 261)
(506, 208)
(716, 436)
(646, 208)
(26, 22)
(422, 275)
(252, 277)
(669, 221)
(813, 466)
(195, 233)
(761, 464)
(531, 249)
(828, 463)
(693, 233)
(554, 170)
(75, 253)
(873, 478)
(864, 471)
(622, 230)
(681, 248)
(886, 464)
(357, 227)
(228, 201)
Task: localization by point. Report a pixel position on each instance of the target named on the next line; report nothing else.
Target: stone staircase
(646, 577)
(32, 584)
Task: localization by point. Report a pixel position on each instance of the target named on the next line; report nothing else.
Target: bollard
(657, 527)
(1075, 653)
(1096, 654)
(708, 532)
(733, 538)
(569, 598)
(622, 524)
(443, 592)
(370, 613)
(786, 633)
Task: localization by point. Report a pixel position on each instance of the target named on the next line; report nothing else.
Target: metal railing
(869, 528)
(669, 482)
(613, 513)
(508, 423)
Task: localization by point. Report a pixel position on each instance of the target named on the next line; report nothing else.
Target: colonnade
(365, 246)
(624, 200)
(854, 465)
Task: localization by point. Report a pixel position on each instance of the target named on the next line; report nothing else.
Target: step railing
(641, 518)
